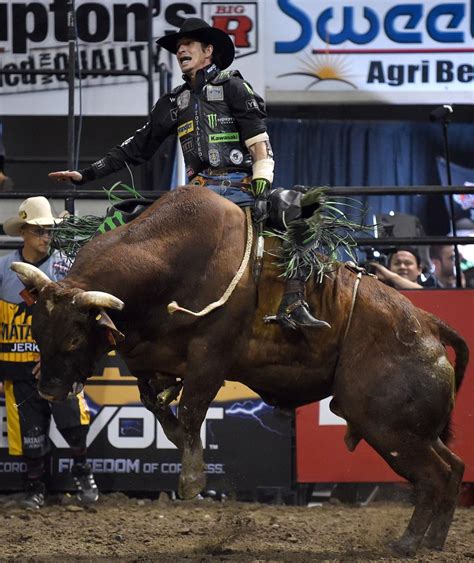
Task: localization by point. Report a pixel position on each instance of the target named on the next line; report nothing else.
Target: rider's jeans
(218, 185)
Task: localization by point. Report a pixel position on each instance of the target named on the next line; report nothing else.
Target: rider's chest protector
(208, 133)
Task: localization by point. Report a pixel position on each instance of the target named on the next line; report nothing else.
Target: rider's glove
(260, 210)
(260, 189)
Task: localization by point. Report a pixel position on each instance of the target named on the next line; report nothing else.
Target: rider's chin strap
(173, 307)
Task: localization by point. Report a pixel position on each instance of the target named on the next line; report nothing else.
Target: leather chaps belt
(202, 181)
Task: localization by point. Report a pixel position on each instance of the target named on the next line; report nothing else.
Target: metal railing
(73, 71)
(70, 195)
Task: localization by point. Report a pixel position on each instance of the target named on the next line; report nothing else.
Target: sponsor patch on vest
(187, 145)
(251, 104)
(214, 157)
(60, 267)
(214, 93)
(211, 69)
(224, 74)
(174, 114)
(224, 138)
(182, 101)
(236, 156)
(189, 172)
(186, 128)
(212, 120)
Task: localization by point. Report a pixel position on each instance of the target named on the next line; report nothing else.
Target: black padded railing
(70, 195)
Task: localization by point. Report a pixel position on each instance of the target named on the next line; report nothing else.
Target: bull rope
(354, 295)
(173, 307)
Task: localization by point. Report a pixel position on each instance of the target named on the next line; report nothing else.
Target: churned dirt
(119, 528)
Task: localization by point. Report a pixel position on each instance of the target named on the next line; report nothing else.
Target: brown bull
(389, 373)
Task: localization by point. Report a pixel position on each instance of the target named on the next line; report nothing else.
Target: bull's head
(71, 329)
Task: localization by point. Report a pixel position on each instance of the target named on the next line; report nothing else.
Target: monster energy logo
(247, 87)
(212, 120)
(259, 186)
(110, 223)
(223, 137)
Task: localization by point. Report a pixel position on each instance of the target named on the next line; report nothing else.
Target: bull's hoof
(433, 542)
(433, 545)
(437, 533)
(403, 547)
(190, 487)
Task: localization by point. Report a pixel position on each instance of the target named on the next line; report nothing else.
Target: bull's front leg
(150, 397)
(198, 394)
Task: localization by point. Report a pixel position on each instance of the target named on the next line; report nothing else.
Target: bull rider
(219, 121)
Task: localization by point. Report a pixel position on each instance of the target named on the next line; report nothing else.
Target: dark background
(332, 145)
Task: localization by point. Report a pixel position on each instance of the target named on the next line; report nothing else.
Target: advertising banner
(322, 456)
(247, 444)
(371, 51)
(111, 36)
(292, 51)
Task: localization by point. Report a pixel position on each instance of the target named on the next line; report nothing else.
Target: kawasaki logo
(224, 137)
(186, 128)
(212, 120)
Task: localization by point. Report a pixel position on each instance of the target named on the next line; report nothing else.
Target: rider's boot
(294, 311)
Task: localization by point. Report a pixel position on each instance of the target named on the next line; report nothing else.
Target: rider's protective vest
(212, 121)
(208, 132)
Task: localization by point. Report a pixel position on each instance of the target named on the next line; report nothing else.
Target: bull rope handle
(354, 295)
(173, 306)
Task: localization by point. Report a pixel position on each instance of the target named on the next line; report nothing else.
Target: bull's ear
(112, 333)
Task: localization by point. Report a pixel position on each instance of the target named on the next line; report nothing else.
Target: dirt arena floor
(119, 528)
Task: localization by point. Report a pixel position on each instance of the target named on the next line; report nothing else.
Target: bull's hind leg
(439, 528)
(420, 464)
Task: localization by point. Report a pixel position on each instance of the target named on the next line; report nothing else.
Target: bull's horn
(30, 275)
(89, 299)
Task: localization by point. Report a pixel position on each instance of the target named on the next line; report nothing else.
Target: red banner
(321, 454)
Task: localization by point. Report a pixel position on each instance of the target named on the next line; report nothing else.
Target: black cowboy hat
(196, 28)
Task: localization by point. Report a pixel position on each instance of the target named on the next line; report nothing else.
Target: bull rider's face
(193, 55)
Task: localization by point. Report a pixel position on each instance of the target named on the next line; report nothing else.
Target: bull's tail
(449, 337)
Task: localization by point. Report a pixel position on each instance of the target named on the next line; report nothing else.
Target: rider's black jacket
(212, 122)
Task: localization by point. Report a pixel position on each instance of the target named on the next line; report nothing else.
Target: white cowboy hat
(33, 211)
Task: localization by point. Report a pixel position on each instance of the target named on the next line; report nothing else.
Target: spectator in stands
(469, 277)
(444, 266)
(6, 183)
(403, 269)
(29, 415)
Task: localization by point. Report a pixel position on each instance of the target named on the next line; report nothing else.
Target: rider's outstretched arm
(135, 150)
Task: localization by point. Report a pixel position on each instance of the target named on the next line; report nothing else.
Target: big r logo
(237, 19)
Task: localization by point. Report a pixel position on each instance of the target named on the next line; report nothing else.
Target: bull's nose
(52, 395)
(47, 397)
(77, 387)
